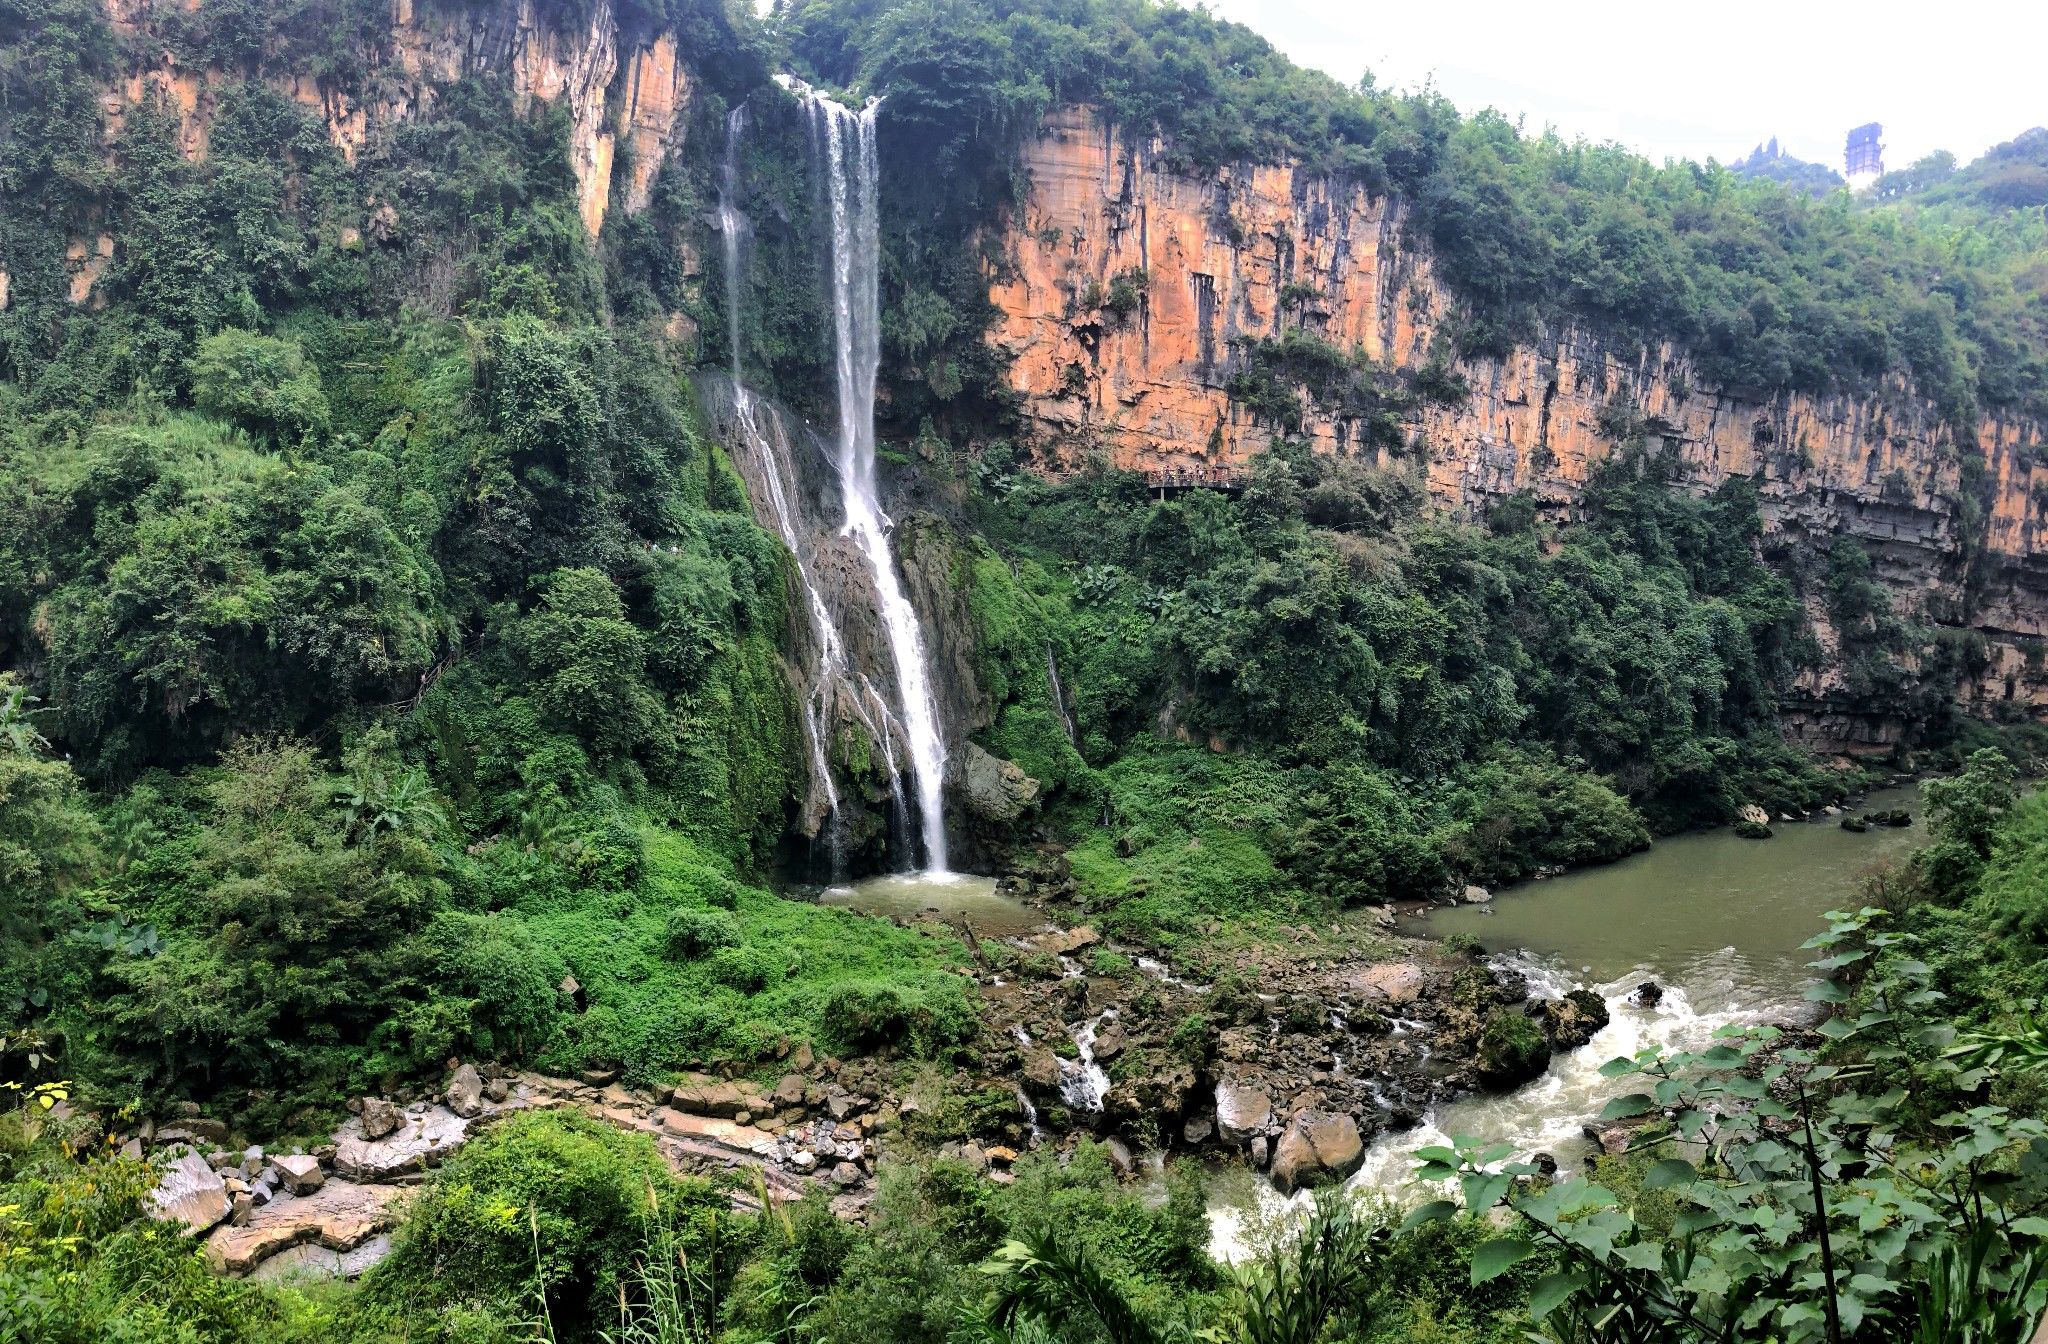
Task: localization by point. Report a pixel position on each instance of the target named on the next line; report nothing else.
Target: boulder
(1241, 1112)
(1196, 1130)
(703, 1096)
(191, 1192)
(994, 789)
(1042, 1072)
(846, 1175)
(1571, 1021)
(1259, 1153)
(1109, 1043)
(1398, 982)
(420, 1142)
(1512, 1049)
(466, 1092)
(1317, 1147)
(789, 1091)
(1066, 942)
(1647, 995)
(301, 1175)
(1477, 895)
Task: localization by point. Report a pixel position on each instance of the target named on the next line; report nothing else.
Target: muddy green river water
(1715, 919)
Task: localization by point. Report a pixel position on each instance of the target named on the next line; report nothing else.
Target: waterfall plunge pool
(946, 896)
(1714, 919)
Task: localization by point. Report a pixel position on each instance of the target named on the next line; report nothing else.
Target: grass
(797, 972)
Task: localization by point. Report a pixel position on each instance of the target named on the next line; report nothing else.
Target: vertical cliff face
(1135, 291)
(626, 95)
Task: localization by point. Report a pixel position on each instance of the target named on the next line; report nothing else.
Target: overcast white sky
(1698, 80)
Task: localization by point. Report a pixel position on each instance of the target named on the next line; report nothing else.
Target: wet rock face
(1219, 249)
(1512, 1050)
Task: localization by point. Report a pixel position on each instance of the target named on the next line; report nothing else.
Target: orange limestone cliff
(1132, 289)
(626, 98)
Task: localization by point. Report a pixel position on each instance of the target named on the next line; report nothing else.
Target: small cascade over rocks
(1083, 1082)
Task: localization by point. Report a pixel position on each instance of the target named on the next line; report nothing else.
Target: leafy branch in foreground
(1837, 1193)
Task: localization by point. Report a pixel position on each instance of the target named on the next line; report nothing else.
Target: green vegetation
(1769, 288)
(391, 670)
(1362, 703)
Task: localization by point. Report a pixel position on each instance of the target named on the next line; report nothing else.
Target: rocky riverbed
(1291, 1055)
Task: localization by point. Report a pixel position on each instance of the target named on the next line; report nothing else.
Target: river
(1715, 919)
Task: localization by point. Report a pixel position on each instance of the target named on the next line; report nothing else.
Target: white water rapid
(846, 147)
(1546, 1115)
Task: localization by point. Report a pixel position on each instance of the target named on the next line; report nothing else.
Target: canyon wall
(1214, 259)
(626, 94)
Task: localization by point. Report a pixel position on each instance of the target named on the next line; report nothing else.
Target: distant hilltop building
(1863, 161)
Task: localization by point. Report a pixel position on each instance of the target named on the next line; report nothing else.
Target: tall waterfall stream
(843, 142)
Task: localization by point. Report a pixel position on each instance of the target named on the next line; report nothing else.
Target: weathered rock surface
(466, 1092)
(995, 789)
(624, 89)
(1317, 1148)
(1241, 1112)
(379, 1117)
(419, 1142)
(1395, 983)
(1221, 250)
(339, 1216)
(191, 1192)
(302, 1175)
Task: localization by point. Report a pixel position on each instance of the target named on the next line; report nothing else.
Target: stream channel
(1714, 919)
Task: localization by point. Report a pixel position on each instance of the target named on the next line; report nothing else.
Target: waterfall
(845, 141)
(1059, 695)
(767, 437)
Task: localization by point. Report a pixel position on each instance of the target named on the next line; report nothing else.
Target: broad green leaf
(1436, 1211)
(1495, 1258)
(1552, 1291)
(1635, 1103)
(1671, 1171)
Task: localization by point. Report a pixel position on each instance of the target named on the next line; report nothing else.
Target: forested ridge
(393, 672)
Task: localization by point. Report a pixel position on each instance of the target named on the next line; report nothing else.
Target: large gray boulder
(1241, 1112)
(301, 1174)
(379, 1118)
(466, 1092)
(191, 1192)
(995, 789)
(421, 1142)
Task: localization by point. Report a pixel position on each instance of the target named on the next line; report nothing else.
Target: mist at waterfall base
(842, 142)
(1713, 919)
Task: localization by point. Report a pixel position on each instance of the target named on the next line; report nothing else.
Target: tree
(588, 663)
(260, 383)
(1963, 816)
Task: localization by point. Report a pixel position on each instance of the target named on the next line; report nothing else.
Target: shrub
(690, 934)
(1512, 1050)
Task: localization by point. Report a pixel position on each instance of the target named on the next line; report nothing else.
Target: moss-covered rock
(1512, 1049)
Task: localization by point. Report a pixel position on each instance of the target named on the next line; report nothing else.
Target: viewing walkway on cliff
(1167, 482)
